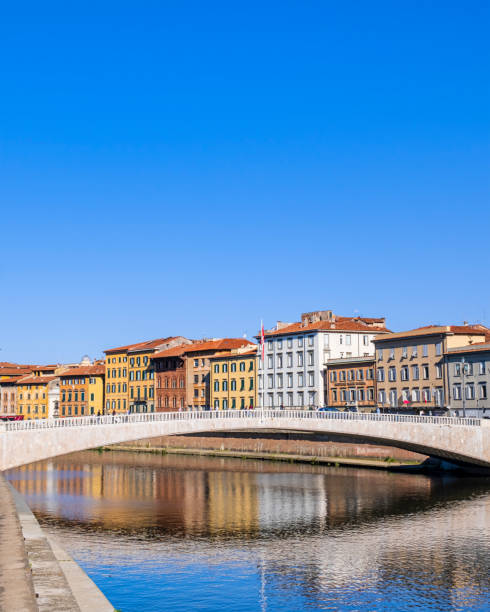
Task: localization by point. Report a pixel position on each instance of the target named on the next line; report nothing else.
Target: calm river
(191, 533)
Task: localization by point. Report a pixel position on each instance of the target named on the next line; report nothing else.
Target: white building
(296, 355)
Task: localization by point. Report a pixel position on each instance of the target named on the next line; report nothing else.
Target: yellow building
(130, 377)
(38, 393)
(82, 391)
(234, 379)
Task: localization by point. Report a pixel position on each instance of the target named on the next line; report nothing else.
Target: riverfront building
(410, 365)
(234, 379)
(82, 391)
(468, 379)
(129, 375)
(296, 355)
(9, 375)
(183, 373)
(38, 393)
(351, 383)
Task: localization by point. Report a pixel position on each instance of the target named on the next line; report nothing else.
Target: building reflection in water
(319, 532)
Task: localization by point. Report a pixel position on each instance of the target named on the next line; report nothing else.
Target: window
(365, 340)
(360, 374)
(279, 344)
(334, 395)
(216, 404)
(333, 376)
(370, 374)
(196, 379)
(233, 367)
(350, 374)
(341, 339)
(299, 359)
(415, 395)
(278, 360)
(289, 360)
(242, 366)
(279, 381)
(404, 373)
(426, 394)
(415, 372)
(270, 381)
(425, 350)
(250, 383)
(224, 385)
(483, 391)
(233, 384)
(438, 370)
(216, 368)
(300, 341)
(196, 363)
(348, 339)
(290, 343)
(457, 369)
(439, 348)
(414, 351)
(269, 345)
(300, 379)
(457, 392)
(380, 354)
(311, 340)
(343, 395)
(392, 374)
(392, 353)
(310, 358)
(381, 374)
(311, 379)
(352, 395)
(425, 372)
(290, 380)
(300, 399)
(382, 397)
(481, 367)
(393, 397)
(404, 352)
(470, 391)
(370, 394)
(224, 367)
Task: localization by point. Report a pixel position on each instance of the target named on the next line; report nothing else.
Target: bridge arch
(464, 441)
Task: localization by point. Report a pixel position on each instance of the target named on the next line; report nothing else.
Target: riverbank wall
(36, 574)
(273, 443)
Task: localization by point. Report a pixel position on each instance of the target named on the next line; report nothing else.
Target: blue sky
(190, 168)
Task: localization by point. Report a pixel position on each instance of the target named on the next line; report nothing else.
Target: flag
(262, 341)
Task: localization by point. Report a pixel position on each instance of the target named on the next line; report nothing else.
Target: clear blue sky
(192, 167)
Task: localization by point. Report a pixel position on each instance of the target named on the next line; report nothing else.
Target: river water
(191, 533)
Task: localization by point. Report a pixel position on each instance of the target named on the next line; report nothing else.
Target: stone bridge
(462, 441)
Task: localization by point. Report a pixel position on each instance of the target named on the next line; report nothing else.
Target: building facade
(82, 391)
(410, 368)
(170, 375)
(183, 373)
(468, 377)
(351, 383)
(38, 393)
(233, 380)
(130, 376)
(9, 374)
(296, 355)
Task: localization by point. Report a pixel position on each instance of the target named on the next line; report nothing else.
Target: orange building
(351, 383)
(38, 393)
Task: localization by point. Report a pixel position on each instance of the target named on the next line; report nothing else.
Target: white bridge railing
(246, 415)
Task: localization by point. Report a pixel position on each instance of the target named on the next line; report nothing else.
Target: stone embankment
(36, 574)
(296, 447)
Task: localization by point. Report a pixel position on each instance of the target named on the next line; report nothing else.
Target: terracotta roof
(91, 370)
(341, 324)
(226, 354)
(206, 345)
(138, 346)
(432, 330)
(10, 380)
(469, 348)
(4, 371)
(35, 380)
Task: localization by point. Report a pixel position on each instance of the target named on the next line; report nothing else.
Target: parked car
(328, 409)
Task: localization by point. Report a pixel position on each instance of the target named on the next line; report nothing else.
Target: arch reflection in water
(214, 534)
